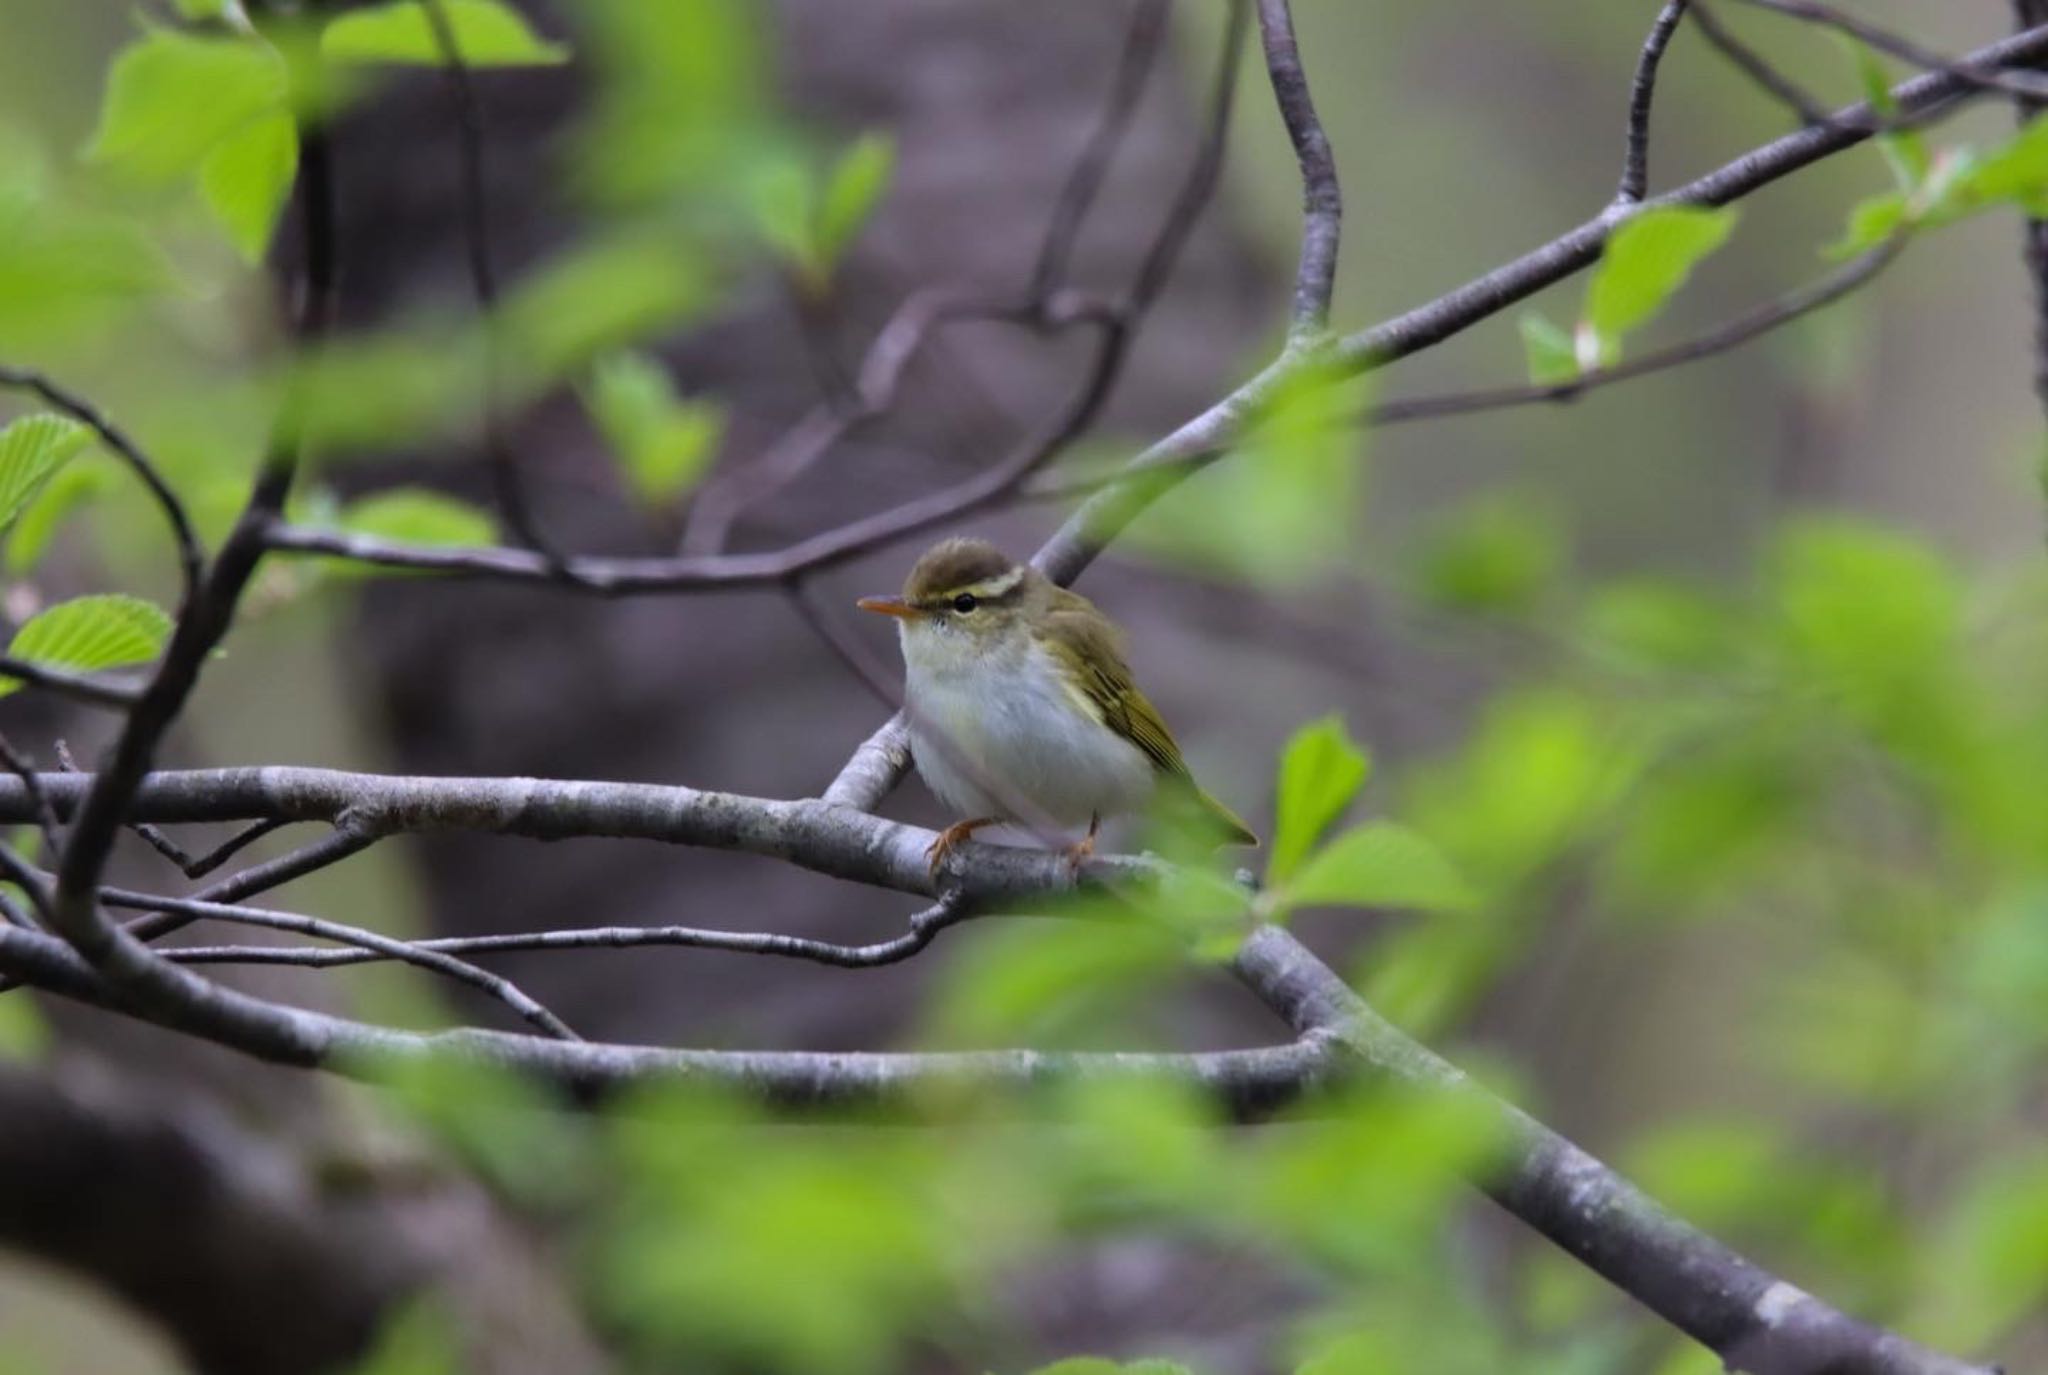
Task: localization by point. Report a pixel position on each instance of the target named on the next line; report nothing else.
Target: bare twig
(1919, 99)
(199, 866)
(2034, 244)
(124, 448)
(1733, 334)
(117, 693)
(476, 234)
(1756, 67)
(1322, 203)
(924, 928)
(349, 837)
(1905, 49)
(1635, 160)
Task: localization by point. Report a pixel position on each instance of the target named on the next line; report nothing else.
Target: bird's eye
(965, 602)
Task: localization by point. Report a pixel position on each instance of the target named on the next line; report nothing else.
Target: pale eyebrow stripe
(996, 588)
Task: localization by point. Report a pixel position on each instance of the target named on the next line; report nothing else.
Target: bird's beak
(889, 606)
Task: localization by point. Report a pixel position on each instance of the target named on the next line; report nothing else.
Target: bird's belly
(1028, 744)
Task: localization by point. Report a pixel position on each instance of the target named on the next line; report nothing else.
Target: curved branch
(1635, 160)
(1322, 201)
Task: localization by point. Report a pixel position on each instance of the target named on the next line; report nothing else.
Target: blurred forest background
(1654, 1024)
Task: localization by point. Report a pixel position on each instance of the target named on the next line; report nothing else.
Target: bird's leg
(949, 840)
(1079, 852)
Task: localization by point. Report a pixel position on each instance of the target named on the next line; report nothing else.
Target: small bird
(1022, 708)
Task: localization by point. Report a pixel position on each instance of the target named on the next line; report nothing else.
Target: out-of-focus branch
(1905, 49)
(2034, 250)
(116, 693)
(476, 235)
(1756, 67)
(1322, 201)
(924, 928)
(1752, 1319)
(1635, 158)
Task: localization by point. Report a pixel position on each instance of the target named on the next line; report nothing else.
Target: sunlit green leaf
(247, 179)
(487, 33)
(172, 98)
(853, 188)
(1647, 260)
(1377, 865)
(1548, 349)
(32, 449)
(663, 443)
(89, 633)
(1320, 772)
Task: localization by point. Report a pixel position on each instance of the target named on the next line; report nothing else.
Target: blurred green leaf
(417, 515)
(663, 443)
(73, 485)
(90, 633)
(853, 188)
(1905, 151)
(487, 33)
(61, 267)
(1548, 349)
(1872, 221)
(1099, 1365)
(1320, 772)
(32, 449)
(172, 98)
(601, 295)
(247, 178)
(1705, 822)
(1987, 1268)
(1284, 511)
(1378, 864)
(418, 1338)
(24, 1036)
(1048, 983)
(683, 111)
(1652, 623)
(1647, 260)
(1497, 555)
(500, 1124)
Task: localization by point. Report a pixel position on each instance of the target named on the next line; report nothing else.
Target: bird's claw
(941, 849)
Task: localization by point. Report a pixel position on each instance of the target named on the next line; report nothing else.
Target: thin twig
(2034, 241)
(116, 693)
(45, 813)
(371, 944)
(199, 866)
(345, 840)
(1635, 159)
(924, 928)
(476, 235)
(144, 468)
(1905, 49)
(1920, 99)
(1756, 67)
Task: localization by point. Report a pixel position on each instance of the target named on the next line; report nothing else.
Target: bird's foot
(1082, 850)
(940, 850)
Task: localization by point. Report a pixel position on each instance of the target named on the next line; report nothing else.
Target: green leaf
(601, 296)
(1378, 864)
(1320, 772)
(24, 1035)
(1872, 220)
(663, 443)
(1904, 149)
(32, 449)
(247, 179)
(2015, 171)
(1548, 348)
(486, 34)
(852, 190)
(1497, 555)
(71, 487)
(172, 98)
(1647, 260)
(86, 634)
(415, 515)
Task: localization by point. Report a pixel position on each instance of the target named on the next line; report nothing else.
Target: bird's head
(965, 588)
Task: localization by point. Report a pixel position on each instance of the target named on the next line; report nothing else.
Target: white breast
(994, 730)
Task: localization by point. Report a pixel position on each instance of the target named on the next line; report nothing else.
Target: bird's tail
(1221, 819)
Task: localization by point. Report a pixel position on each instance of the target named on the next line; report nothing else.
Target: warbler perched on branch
(1022, 708)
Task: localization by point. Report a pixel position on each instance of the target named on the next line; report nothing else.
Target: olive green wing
(1089, 648)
